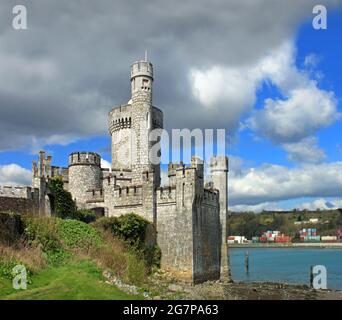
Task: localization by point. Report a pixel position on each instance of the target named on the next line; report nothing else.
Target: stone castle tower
(189, 216)
(130, 126)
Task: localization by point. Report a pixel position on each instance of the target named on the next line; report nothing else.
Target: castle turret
(141, 81)
(219, 175)
(84, 174)
(131, 125)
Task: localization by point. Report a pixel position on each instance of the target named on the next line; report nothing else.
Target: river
(286, 265)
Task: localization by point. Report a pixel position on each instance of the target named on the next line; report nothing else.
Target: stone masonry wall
(19, 205)
(175, 239)
(207, 237)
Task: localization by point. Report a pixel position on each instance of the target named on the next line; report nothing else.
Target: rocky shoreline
(163, 286)
(169, 288)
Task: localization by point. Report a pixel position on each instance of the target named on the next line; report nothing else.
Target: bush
(6, 267)
(42, 231)
(29, 256)
(77, 234)
(86, 215)
(131, 228)
(62, 202)
(57, 257)
(113, 255)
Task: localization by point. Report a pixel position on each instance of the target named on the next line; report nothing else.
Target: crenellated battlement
(126, 196)
(84, 158)
(142, 68)
(166, 195)
(120, 123)
(95, 195)
(23, 192)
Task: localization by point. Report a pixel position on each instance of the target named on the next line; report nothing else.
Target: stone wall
(11, 228)
(19, 199)
(19, 205)
(207, 237)
(175, 239)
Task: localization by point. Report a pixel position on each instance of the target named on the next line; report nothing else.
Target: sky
(255, 68)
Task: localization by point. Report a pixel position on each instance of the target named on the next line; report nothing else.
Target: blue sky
(69, 78)
(327, 46)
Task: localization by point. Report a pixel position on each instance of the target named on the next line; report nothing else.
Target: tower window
(145, 84)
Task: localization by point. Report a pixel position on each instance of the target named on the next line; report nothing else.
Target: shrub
(57, 257)
(6, 267)
(77, 234)
(29, 256)
(62, 202)
(132, 228)
(86, 215)
(42, 231)
(113, 255)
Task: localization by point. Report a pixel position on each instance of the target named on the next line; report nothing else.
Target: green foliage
(78, 234)
(77, 280)
(62, 202)
(58, 257)
(131, 228)
(250, 224)
(43, 231)
(86, 215)
(6, 268)
(152, 256)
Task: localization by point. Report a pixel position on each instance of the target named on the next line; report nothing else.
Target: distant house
(236, 239)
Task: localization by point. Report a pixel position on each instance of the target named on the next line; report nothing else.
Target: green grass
(78, 280)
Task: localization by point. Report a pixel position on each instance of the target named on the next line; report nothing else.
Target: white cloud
(13, 174)
(302, 111)
(321, 204)
(311, 60)
(305, 111)
(105, 164)
(305, 151)
(228, 89)
(267, 206)
(270, 183)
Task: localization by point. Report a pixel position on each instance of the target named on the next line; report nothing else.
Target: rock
(175, 287)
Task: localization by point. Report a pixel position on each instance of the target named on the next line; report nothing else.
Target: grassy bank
(76, 280)
(65, 258)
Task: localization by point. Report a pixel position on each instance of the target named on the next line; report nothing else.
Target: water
(286, 265)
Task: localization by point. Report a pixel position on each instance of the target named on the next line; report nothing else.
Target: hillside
(288, 222)
(66, 258)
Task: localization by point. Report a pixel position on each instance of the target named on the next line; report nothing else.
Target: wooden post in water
(247, 262)
(311, 277)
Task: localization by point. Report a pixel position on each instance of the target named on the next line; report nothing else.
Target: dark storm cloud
(59, 78)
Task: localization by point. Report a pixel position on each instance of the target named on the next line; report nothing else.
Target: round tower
(130, 126)
(141, 81)
(85, 175)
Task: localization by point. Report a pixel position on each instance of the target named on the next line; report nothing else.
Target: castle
(189, 215)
